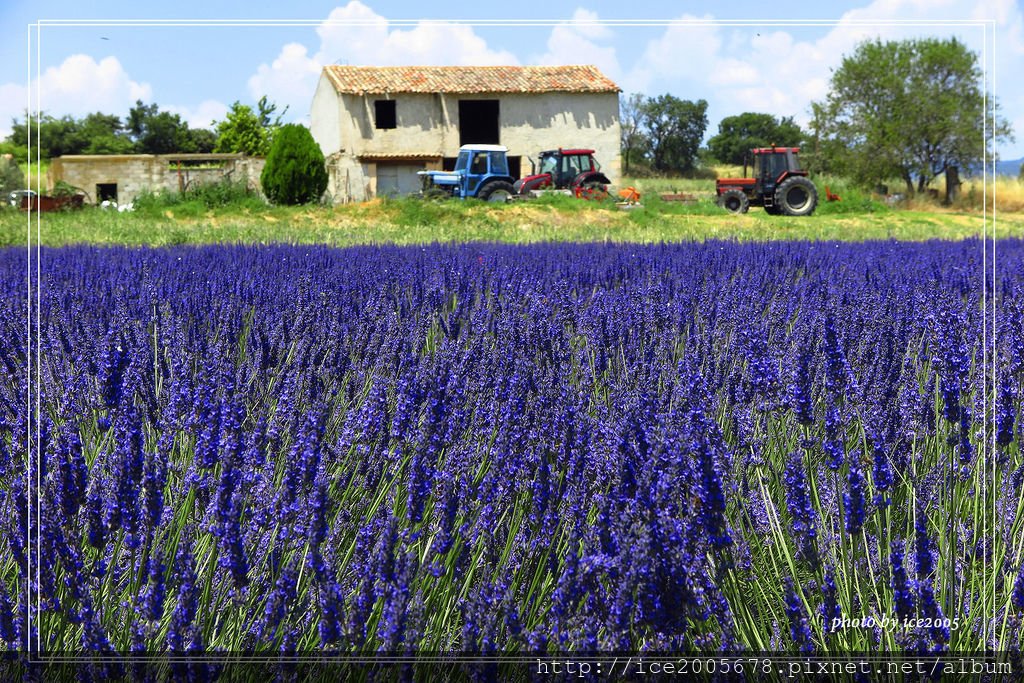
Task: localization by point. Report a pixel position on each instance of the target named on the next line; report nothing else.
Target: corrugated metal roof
(358, 80)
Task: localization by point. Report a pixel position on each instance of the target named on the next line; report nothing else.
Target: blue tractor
(481, 171)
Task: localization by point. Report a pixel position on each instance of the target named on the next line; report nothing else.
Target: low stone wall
(133, 174)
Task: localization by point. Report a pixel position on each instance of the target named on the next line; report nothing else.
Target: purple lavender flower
(833, 445)
(924, 563)
(798, 502)
(182, 633)
(853, 499)
(829, 610)
(1017, 596)
(115, 362)
(1005, 416)
(799, 630)
(277, 604)
(882, 474)
(155, 591)
(902, 586)
(8, 633)
(800, 399)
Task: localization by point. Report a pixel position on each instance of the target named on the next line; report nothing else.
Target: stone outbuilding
(122, 177)
(378, 126)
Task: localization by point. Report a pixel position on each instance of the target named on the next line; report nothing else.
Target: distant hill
(1009, 167)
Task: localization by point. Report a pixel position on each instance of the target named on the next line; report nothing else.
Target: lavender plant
(488, 448)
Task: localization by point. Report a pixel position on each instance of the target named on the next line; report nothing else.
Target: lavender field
(485, 448)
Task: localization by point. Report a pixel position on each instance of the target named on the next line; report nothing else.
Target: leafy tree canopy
(247, 131)
(674, 130)
(241, 131)
(631, 127)
(147, 130)
(738, 134)
(910, 109)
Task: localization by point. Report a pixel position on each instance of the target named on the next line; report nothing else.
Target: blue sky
(749, 57)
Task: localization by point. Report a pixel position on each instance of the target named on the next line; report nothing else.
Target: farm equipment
(481, 171)
(566, 169)
(778, 184)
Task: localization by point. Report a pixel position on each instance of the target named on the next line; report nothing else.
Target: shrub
(19, 152)
(295, 172)
(11, 177)
(202, 196)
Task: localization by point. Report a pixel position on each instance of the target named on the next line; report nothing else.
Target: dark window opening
(478, 122)
(448, 163)
(515, 166)
(385, 114)
(106, 192)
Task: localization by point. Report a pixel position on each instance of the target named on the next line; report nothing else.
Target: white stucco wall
(325, 115)
(428, 124)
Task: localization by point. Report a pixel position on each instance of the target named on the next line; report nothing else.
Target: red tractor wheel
(734, 201)
(591, 190)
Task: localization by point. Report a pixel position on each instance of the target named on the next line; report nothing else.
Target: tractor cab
(480, 171)
(776, 182)
(566, 169)
(770, 165)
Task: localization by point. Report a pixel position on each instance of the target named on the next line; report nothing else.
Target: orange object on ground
(629, 194)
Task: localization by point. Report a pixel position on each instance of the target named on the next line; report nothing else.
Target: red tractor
(566, 169)
(779, 185)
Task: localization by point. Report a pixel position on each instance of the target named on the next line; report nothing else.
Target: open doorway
(106, 192)
(478, 122)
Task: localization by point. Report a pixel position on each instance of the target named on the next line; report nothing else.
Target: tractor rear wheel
(497, 191)
(734, 201)
(797, 196)
(592, 190)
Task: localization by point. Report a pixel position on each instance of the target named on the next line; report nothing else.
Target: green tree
(911, 109)
(295, 172)
(202, 140)
(158, 132)
(631, 126)
(675, 129)
(101, 133)
(247, 131)
(739, 134)
(265, 110)
(50, 137)
(242, 132)
(11, 177)
(19, 152)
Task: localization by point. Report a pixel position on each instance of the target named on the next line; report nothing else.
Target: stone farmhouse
(378, 126)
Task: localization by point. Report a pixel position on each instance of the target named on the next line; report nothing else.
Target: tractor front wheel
(734, 201)
(797, 196)
(497, 191)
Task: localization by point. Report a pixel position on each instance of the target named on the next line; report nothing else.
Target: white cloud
(355, 34)
(288, 81)
(577, 42)
(680, 56)
(79, 86)
(202, 115)
(780, 71)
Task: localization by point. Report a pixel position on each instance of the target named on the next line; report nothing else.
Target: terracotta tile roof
(358, 80)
